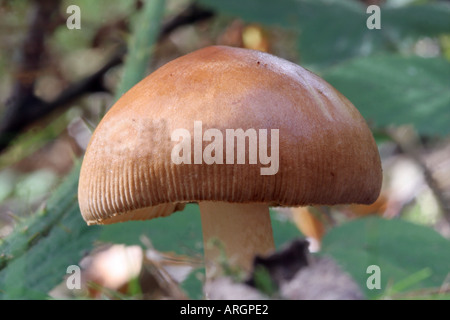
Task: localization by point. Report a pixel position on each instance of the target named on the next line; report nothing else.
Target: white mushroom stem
(244, 230)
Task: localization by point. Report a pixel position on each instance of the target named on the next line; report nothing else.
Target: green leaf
(283, 229)
(44, 265)
(330, 31)
(36, 255)
(193, 284)
(429, 19)
(284, 13)
(406, 253)
(394, 90)
(29, 231)
(181, 232)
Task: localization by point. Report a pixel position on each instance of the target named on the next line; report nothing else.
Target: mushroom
(139, 162)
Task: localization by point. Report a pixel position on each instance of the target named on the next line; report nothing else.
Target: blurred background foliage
(56, 84)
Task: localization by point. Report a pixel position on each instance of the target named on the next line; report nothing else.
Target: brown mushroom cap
(327, 154)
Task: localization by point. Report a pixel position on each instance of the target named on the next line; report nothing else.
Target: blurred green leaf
(401, 249)
(301, 15)
(408, 282)
(193, 284)
(394, 90)
(31, 230)
(429, 19)
(284, 230)
(36, 255)
(181, 232)
(334, 30)
(45, 265)
(36, 184)
(263, 281)
(7, 183)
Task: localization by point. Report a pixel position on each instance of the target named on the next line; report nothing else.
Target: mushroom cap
(327, 154)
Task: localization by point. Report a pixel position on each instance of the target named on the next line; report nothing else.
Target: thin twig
(24, 108)
(409, 143)
(22, 98)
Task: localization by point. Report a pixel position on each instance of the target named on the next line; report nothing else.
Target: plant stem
(141, 45)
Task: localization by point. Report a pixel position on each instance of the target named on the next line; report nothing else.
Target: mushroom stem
(244, 230)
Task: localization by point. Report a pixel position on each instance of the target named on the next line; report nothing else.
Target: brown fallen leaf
(308, 223)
